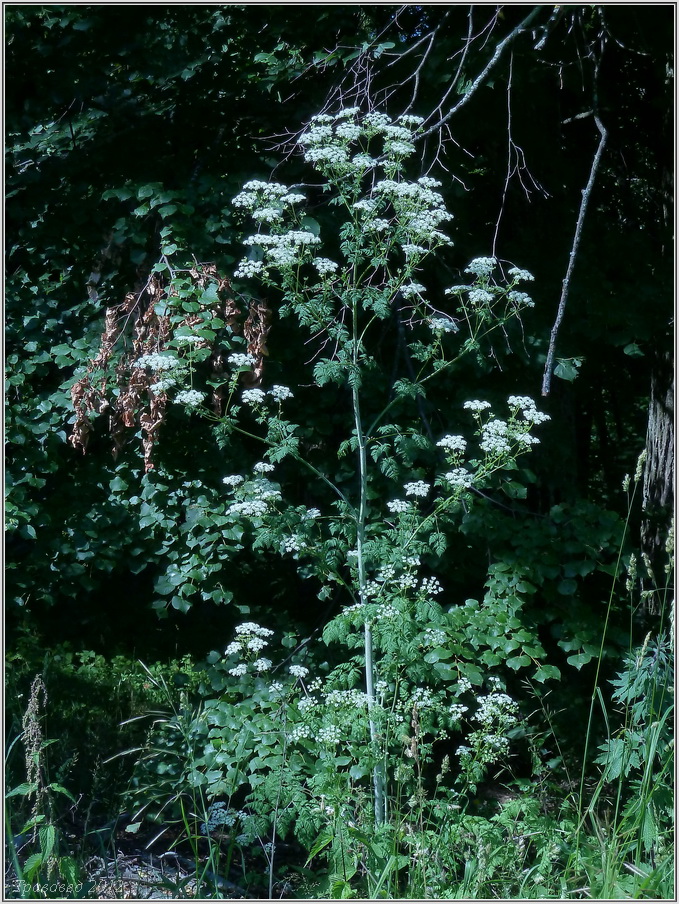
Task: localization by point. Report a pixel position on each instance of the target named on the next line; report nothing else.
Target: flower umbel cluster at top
(345, 148)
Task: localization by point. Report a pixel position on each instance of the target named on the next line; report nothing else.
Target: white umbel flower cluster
(398, 506)
(280, 393)
(416, 488)
(157, 362)
(241, 359)
(191, 398)
(482, 266)
(528, 409)
(253, 397)
(453, 443)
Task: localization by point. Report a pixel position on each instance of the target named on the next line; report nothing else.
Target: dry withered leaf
(139, 320)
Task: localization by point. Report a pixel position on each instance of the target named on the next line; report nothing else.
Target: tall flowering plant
(413, 677)
(390, 226)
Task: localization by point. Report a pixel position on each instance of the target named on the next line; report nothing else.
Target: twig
(547, 376)
(523, 26)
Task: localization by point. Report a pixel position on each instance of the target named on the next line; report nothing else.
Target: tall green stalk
(379, 782)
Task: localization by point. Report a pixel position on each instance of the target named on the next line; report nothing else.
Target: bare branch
(547, 377)
(499, 50)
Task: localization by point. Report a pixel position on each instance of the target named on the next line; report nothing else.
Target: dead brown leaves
(141, 325)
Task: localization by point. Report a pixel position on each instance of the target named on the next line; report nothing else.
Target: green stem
(378, 771)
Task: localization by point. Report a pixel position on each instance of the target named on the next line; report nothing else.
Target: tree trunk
(658, 485)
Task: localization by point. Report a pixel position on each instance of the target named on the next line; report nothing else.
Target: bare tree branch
(547, 377)
(499, 50)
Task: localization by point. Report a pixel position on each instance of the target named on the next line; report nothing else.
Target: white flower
(398, 505)
(496, 707)
(188, 340)
(255, 644)
(256, 192)
(218, 815)
(409, 120)
(425, 181)
(376, 121)
(480, 296)
(417, 488)
(238, 359)
(238, 670)
(232, 480)
(157, 362)
(481, 266)
(190, 397)
(351, 699)
(476, 405)
(411, 250)
(299, 732)
(311, 514)
(292, 198)
(347, 130)
(398, 133)
(458, 443)
(457, 710)
(526, 439)
(413, 289)
(443, 325)
(363, 161)
(299, 671)
(377, 225)
(163, 385)
(431, 587)
(494, 437)
(528, 409)
(233, 648)
(521, 275)
(262, 665)
(520, 299)
(267, 214)
(254, 508)
(329, 734)
(280, 393)
(319, 131)
(334, 156)
(248, 268)
(434, 637)
(347, 113)
(254, 628)
(407, 582)
(253, 396)
(367, 205)
(324, 265)
(293, 544)
(459, 477)
(263, 466)
(422, 697)
(399, 148)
